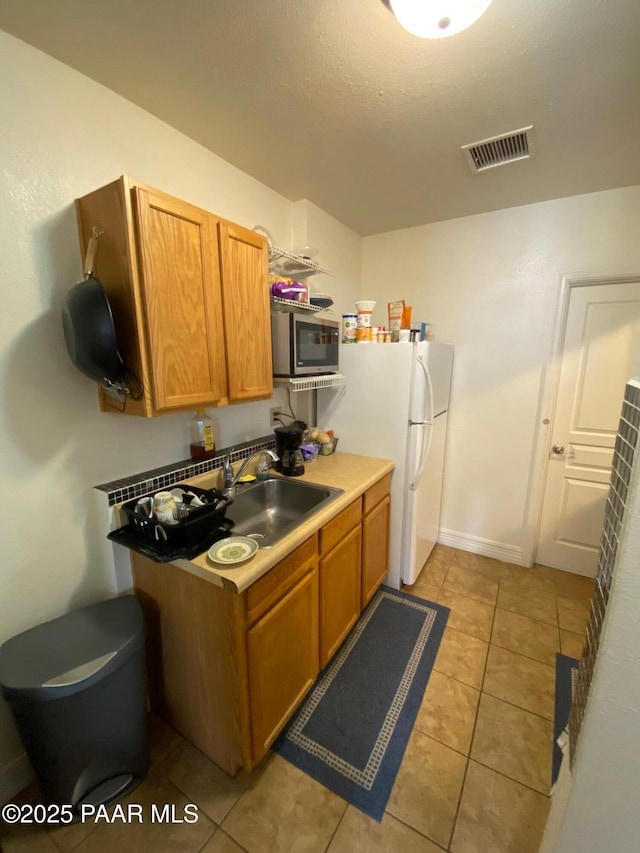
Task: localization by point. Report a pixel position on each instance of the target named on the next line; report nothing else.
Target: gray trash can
(75, 686)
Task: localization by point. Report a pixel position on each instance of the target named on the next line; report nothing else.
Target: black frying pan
(89, 330)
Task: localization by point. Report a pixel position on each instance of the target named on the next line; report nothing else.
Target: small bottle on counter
(202, 439)
(387, 337)
(381, 334)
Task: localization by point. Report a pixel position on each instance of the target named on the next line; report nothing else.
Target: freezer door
(370, 413)
(422, 516)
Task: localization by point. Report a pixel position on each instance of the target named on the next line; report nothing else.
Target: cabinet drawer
(280, 579)
(376, 493)
(338, 527)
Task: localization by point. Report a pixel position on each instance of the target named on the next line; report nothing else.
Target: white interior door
(600, 354)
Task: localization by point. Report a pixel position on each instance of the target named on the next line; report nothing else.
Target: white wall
(63, 135)
(602, 811)
(339, 250)
(489, 283)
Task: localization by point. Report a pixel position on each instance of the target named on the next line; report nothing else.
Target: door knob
(558, 449)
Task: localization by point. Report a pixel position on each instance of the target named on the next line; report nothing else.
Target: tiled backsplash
(161, 478)
(623, 457)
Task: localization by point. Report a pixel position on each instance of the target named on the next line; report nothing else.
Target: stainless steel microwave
(304, 344)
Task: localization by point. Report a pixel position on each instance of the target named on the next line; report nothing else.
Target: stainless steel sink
(275, 507)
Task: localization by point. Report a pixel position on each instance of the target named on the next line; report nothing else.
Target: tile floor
(475, 776)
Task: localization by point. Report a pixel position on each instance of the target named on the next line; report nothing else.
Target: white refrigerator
(394, 405)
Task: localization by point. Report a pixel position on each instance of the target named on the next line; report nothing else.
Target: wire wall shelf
(310, 383)
(286, 263)
(290, 306)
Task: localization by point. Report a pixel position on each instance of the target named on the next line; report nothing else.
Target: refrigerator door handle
(424, 453)
(429, 384)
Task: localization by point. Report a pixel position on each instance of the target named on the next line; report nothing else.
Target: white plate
(306, 252)
(295, 266)
(235, 549)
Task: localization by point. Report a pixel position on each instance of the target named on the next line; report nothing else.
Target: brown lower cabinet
(375, 549)
(340, 593)
(282, 661)
(228, 670)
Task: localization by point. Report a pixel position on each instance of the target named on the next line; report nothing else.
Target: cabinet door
(282, 653)
(179, 271)
(339, 593)
(244, 266)
(375, 548)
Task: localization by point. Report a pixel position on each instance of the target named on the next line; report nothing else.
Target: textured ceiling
(332, 101)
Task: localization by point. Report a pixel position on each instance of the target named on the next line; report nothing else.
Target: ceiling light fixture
(435, 19)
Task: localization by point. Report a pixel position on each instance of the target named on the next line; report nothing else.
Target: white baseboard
(14, 777)
(485, 547)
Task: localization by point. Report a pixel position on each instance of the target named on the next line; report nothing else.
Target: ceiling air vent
(507, 148)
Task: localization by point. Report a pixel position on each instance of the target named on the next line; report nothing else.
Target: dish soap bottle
(202, 441)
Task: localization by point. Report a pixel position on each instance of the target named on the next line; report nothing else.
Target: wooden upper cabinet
(190, 299)
(179, 272)
(244, 268)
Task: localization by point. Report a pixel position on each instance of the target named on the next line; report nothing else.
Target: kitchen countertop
(354, 474)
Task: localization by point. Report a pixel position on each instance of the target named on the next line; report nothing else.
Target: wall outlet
(273, 414)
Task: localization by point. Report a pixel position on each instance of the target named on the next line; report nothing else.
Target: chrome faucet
(230, 479)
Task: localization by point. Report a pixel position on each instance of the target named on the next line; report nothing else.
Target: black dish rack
(186, 538)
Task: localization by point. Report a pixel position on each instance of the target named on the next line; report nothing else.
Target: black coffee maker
(288, 441)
